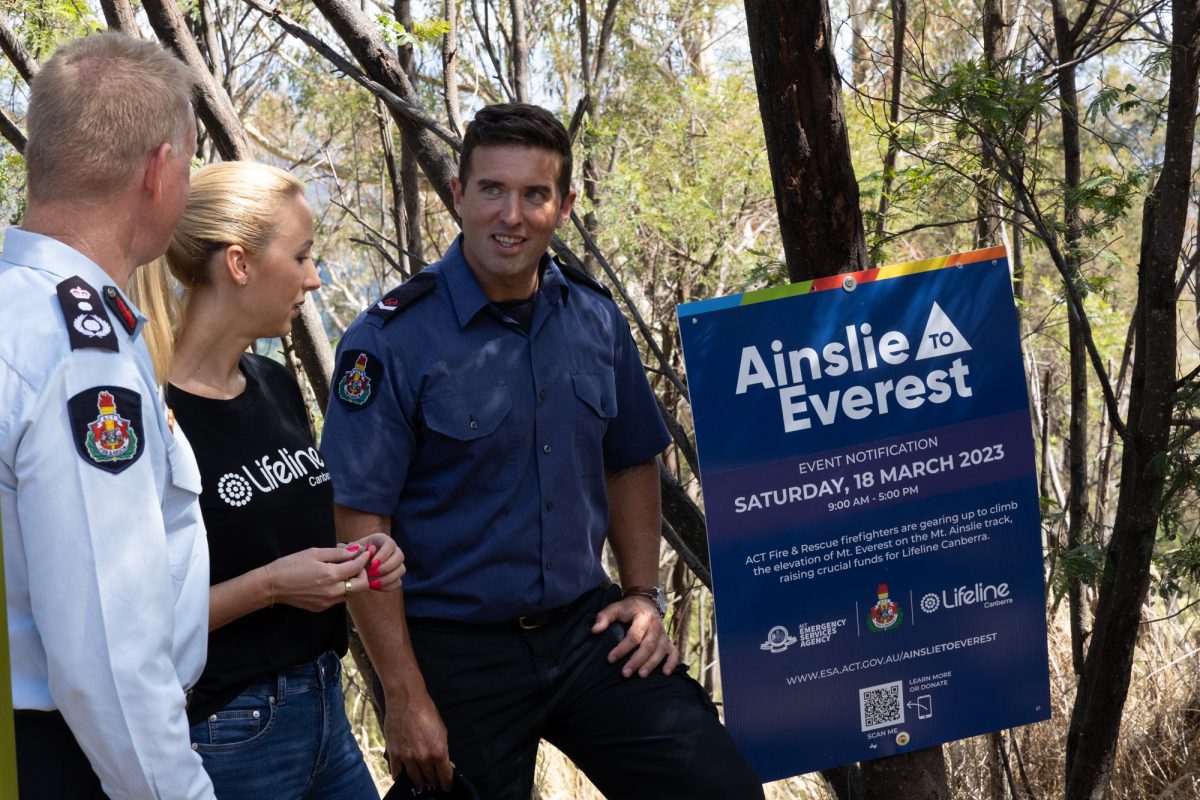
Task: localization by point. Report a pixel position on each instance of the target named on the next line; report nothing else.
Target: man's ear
(564, 211)
(156, 167)
(456, 189)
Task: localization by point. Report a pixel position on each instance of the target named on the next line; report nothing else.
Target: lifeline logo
(987, 594)
(237, 490)
(858, 350)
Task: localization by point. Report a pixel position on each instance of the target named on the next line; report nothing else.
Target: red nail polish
(375, 564)
(352, 548)
(376, 584)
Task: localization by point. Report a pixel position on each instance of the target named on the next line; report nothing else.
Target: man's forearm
(379, 616)
(635, 522)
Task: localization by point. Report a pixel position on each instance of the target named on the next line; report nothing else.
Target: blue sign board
(867, 464)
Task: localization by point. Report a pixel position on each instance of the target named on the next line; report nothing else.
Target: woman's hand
(315, 579)
(386, 561)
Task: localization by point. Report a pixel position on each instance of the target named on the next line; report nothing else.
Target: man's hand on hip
(645, 637)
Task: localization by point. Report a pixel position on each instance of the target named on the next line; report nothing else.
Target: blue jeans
(286, 737)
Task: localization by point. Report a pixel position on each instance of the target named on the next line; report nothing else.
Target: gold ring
(349, 586)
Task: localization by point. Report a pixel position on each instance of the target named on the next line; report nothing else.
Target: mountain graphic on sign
(941, 338)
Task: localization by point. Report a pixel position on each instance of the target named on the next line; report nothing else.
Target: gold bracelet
(271, 583)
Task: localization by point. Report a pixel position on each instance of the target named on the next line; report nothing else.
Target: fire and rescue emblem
(360, 373)
(886, 614)
(108, 440)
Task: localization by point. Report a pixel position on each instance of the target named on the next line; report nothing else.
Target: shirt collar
(40, 252)
(467, 296)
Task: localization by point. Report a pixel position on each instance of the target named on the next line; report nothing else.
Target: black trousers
(50, 763)
(500, 690)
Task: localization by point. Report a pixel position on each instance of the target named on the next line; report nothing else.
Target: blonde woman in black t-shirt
(267, 715)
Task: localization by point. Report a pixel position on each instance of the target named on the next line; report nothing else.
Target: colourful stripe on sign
(837, 281)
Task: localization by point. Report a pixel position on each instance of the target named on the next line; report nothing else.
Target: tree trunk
(26, 65)
(119, 16)
(899, 26)
(364, 42)
(800, 99)
(821, 223)
(1068, 102)
(920, 775)
(520, 51)
(410, 187)
(1104, 685)
(213, 106)
(987, 228)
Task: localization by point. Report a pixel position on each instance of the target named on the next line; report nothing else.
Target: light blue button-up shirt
(106, 571)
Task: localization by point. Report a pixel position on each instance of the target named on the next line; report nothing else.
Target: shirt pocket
(469, 433)
(180, 508)
(596, 396)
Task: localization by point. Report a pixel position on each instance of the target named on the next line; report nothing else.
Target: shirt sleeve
(368, 441)
(101, 587)
(638, 433)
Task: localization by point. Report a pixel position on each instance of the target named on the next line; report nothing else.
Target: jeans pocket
(244, 722)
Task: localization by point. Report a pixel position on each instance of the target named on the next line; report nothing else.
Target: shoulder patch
(358, 384)
(404, 295)
(115, 301)
(106, 424)
(579, 276)
(87, 324)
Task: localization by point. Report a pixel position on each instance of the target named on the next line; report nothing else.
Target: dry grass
(1158, 758)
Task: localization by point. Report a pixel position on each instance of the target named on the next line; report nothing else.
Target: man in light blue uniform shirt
(494, 415)
(106, 562)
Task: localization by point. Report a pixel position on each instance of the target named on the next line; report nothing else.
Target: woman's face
(285, 272)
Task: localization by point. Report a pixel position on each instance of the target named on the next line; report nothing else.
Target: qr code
(882, 705)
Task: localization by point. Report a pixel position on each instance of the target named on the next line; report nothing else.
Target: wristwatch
(654, 594)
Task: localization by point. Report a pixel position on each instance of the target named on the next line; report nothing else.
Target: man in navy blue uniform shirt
(493, 414)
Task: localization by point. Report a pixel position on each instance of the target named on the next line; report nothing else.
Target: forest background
(1064, 130)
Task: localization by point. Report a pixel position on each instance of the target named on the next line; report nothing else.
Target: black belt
(527, 622)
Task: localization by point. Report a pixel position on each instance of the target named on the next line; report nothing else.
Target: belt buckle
(530, 622)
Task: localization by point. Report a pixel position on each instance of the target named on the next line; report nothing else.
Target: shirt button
(473, 424)
(549, 506)
(602, 406)
(542, 394)
(545, 448)
(550, 564)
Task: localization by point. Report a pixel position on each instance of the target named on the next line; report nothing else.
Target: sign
(867, 464)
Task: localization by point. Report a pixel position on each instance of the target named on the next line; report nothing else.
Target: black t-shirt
(266, 494)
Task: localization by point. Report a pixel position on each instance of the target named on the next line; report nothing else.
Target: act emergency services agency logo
(778, 640)
(886, 614)
(109, 437)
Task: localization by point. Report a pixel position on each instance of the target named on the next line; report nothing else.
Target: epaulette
(83, 311)
(404, 295)
(579, 276)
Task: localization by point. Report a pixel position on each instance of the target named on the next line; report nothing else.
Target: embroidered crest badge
(360, 373)
(108, 440)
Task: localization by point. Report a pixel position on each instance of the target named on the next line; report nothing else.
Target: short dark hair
(518, 124)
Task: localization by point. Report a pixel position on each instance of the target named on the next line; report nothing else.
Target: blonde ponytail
(152, 291)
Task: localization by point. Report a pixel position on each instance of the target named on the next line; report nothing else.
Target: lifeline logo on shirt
(361, 372)
(109, 441)
(269, 473)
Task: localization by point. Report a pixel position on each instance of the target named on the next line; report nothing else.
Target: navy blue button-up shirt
(487, 445)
